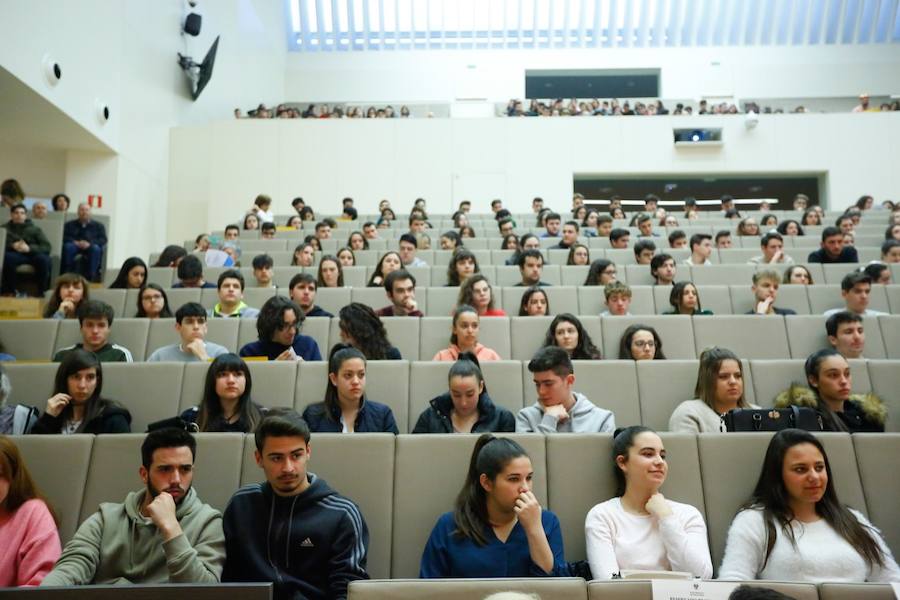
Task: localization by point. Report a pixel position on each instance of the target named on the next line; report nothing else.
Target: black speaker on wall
(192, 24)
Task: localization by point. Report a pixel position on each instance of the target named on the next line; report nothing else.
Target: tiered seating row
(401, 495)
(643, 392)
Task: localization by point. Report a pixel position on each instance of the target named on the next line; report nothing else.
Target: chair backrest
(675, 331)
(748, 336)
(875, 456)
(885, 379)
(30, 339)
(527, 335)
(460, 589)
(150, 391)
(404, 333)
(890, 332)
(32, 384)
(662, 386)
(855, 591)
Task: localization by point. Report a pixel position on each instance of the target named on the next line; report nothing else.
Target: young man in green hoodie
(160, 534)
(26, 244)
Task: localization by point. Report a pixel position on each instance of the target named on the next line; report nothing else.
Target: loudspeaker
(192, 24)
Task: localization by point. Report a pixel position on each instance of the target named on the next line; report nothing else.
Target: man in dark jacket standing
(86, 237)
(293, 530)
(26, 244)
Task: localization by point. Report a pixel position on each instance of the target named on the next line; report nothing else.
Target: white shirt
(618, 540)
(820, 553)
(688, 262)
(868, 313)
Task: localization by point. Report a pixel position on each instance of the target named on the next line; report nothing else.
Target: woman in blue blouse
(498, 528)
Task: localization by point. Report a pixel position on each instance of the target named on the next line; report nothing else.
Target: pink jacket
(30, 545)
(452, 353)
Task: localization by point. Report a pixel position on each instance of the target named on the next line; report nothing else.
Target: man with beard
(160, 534)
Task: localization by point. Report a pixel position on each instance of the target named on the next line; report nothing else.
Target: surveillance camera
(192, 3)
(52, 70)
(103, 113)
(751, 120)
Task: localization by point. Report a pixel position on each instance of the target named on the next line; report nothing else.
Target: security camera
(751, 120)
(52, 70)
(103, 113)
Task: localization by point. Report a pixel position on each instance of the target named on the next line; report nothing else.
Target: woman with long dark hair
(601, 272)
(28, 524)
(498, 528)
(170, 256)
(640, 529)
(829, 394)
(226, 404)
(719, 389)
(463, 265)
(390, 261)
(345, 408)
(361, 328)
(534, 303)
(477, 292)
(640, 342)
(567, 332)
(466, 407)
(794, 528)
(685, 300)
(152, 303)
(77, 405)
(132, 275)
(330, 274)
(69, 291)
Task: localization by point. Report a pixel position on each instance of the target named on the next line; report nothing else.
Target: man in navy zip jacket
(293, 530)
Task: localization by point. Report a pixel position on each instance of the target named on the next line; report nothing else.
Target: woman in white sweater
(720, 388)
(640, 529)
(795, 529)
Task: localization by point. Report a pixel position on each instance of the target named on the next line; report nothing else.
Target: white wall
(40, 171)
(446, 160)
(442, 76)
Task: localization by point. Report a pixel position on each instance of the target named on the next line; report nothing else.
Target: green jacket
(28, 231)
(119, 545)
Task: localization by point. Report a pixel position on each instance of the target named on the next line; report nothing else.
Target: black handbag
(772, 419)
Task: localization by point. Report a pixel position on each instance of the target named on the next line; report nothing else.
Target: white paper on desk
(896, 588)
(673, 589)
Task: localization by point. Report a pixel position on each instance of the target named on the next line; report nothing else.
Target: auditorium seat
(662, 386)
(637, 275)
(856, 591)
(561, 299)
(360, 467)
(592, 300)
(428, 474)
(642, 590)
(179, 296)
(727, 274)
(876, 458)
(465, 589)
(219, 331)
(740, 256)
(162, 276)
(376, 297)
(748, 336)
(890, 332)
(771, 377)
(884, 377)
(32, 384)
(509, 276)
(403, 332)
(825, 297)
(527, 334)
(675, 331)
(834, 273)
(150, 391)
(573, 275)
(130, 333)
(30, 339)
(441, 301)
(192, 384)
(256, 296)
(893, 293)
(329, 299)
(356, 277)
(789, 296)
(115, 298)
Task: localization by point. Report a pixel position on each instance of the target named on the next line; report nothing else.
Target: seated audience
(794, 528)
(618, 299)
(701, 249)
(879, 273)
(644, 251)
(765, 290)
(278, 326)
(477, 292)
(569, 235)
(302, 507)
(361, 328)
(528, 241)
(60, 203)
(619, 238)
(829, 394)
(172, 255)
(190, 274)
(534, 303)
(28, 524)
(772, 245)
(463, 265)
(230, 289)
(833, 249)
(552, 223)
(226, 405)
(719, 389)
(723, 240)
(450, 240)
(251, 222)
(498, 528)
(303, 288)
(797, 274)
(856, 288)
(190, 323)
(95, 319)
(663, 269)
(464, 337)
(639, 529)
(330, 273)
(153, 303)
(466, 407)
(304, 255)
(69, 292)
(83, 238)
(15, 419)
(579, 256)
(890, 250)
(602, 271)
(531, 265)
(748, 227)
(261, 205)
(846, 334)
(640, 342)
(400, 287)
(160, 534)
(76, 405)
(678, 240)
(264, 270)
(346, 257)
(560, 409)
(358, 241)
(39, 210)
(408, 246)
(345, 408)
(685, 300)
(567, 332)
(132, 275)
(26, 244)
(389, 261)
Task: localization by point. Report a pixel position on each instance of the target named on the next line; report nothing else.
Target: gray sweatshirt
(584, 417)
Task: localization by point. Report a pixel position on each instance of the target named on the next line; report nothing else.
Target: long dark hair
(55, 299)
(74, 361)
(596, 271)
(340, 354)
(21, 485)
(489, 457)
(677, 294)
(467, 291)
(523, 304)
(340, 269)
(361, 323)
(830, 421)
(628, 335)
(165, 313)
(210, 416)
(121, 281)
(623, 440)
(377, 272)
(169, 255)
(459, 255)
(467, 365)
(585, 350)
(772, 497)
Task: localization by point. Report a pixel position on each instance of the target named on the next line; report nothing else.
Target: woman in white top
(639, 529)
(795, 529)
(719, 389)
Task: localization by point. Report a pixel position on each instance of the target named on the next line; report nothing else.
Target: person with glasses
(153, 303)
(278, 326)
(602, 271)
(640, 342)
